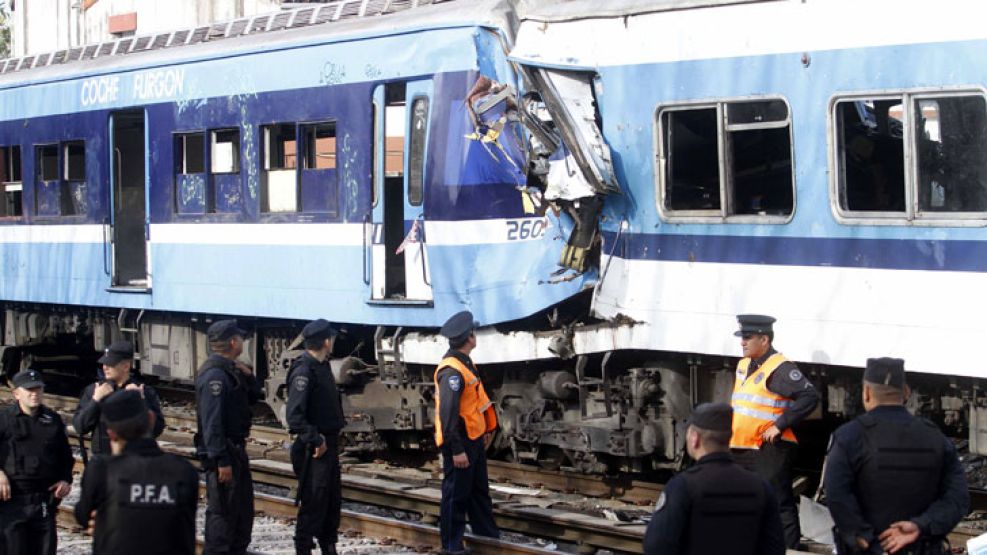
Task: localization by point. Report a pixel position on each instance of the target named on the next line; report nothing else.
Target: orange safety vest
(755, 407)
(475, 408)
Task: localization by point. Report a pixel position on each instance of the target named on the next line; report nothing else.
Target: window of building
(10, 182)
(416, 150)
(225, 151)
(911, 156)
(725, 160)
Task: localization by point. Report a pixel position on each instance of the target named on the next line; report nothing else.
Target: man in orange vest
(464, 424)
(770, 396)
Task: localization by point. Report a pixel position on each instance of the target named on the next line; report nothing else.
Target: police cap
(122, 404)
(116, 352)
(459, 327)
(223, 330)
(885, 371)
(28, 379)
(715, 417)
(754, 324)
(319, 329)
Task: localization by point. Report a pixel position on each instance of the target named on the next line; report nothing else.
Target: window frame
(180, 137)
(211, 145)
(911, 216)
(722, 215)
(10, 165)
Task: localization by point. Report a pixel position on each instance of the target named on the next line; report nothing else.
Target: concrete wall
(39, 26)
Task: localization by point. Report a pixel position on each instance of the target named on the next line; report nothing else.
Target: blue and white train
(604, 187)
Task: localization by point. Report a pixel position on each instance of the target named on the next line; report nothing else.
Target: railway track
(518, 504)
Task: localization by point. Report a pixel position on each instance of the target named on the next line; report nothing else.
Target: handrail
(366, 274)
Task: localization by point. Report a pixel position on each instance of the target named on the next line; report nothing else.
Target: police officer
(35, 469)
(464, 424)
(893, 482)
(117, 361)
(224, 390)
(315, 414)
(715, 506)
(770, 396)
(143, 499)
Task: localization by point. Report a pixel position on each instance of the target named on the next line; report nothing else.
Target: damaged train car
(605, 188)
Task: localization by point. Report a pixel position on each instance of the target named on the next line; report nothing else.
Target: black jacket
(86, 419)
(314, 404)
(145, 501)
(223, 395)
(34, 450)
(715, 506)
(888, 465)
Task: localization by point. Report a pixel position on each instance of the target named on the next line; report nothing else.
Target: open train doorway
(399, 260)
(129, 186)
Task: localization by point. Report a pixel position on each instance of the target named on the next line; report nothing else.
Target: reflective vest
(755, 408)
(475, 408)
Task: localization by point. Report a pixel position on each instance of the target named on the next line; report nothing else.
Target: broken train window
(279, 178)
(726, 158)
(912, 155)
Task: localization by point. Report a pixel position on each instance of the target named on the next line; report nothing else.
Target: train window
(416, 150)
(74, 158)
(911, 156)
(225, 152)
(279, 181)
(47, 156)
(10, 181)
(280, 148)
(952, 154)
(394, 123)
(692, 168)
(726, 161)
(320, 146)
(190, 153)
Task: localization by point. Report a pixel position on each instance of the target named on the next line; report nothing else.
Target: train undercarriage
(579, 409)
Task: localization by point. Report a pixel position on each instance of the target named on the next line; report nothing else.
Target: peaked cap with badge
(319, 329)
(117, 352)
(28, 379)
(122, 405)
(224, 330)
(754, 324)
(459, 326)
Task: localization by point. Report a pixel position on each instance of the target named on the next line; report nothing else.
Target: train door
(128, 183)
(399, 259)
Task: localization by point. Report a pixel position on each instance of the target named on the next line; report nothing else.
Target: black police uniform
(465, 491)
(34, 454)
(715, 507)
(223, 398)
(145, 499)
(315, 414)
(86, 419)
(872, 481)
(773, 461)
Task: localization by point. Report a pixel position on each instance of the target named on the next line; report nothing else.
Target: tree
(4, 30)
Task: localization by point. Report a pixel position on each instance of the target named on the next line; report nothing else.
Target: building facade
(39, 26)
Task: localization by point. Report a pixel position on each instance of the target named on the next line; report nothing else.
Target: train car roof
(556, 10)
(438, 14)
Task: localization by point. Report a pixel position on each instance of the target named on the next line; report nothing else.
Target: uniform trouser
(465, 491)
(773, 462)
(320, 493)
(28, 524)
(229, 507)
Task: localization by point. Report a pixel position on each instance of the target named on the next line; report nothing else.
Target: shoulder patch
(216, 387)
(455, 382)
(660, 504)
(758, 378)
(301, 383)
(795, 375)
